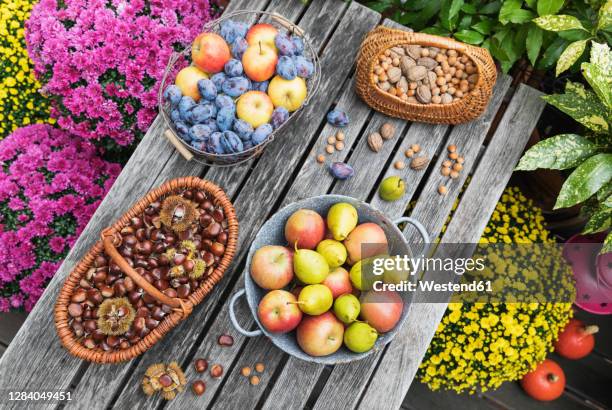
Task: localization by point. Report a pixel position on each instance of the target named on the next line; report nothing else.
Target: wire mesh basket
(179, 60)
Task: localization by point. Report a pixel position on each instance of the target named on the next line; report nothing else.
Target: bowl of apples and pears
(307, 286)
(236, 87)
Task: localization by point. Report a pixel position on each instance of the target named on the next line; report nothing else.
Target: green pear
(347, 308)
(342, 218)
(392, 188)
(309, 266)
(315, 299)
(362, 274)
(360, 337)
(333, 251)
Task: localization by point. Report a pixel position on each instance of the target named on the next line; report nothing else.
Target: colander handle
(234, 320)
(419, 227)
(177, 144)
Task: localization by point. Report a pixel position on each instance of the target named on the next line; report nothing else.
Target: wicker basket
(181, 308)
(462, 110)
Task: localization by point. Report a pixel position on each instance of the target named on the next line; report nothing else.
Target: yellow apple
(187, 81)
(262, 33)
(254, 107)
(289, 94)
(259, 62)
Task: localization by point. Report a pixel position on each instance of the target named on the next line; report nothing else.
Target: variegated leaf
(608, 202)
(559, 22)
(559, 152)
(601, 57)
(569, 56)
(582, 105)
(605, 192)
(607, 246)
(587, 179)
(605, 16)
(600, 221)
(601, 84)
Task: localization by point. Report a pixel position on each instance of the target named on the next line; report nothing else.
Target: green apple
(289, 94)
(347, 308)
(315, 299)
(360, 337)
(392, 188)
(333, 251)
(254, 107)
(309, 266)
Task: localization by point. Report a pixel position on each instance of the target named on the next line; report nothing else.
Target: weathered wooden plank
(10, 322)
(19, 371)
(2, 349)
(589, 377)
(257, 190)
(478, 202)
(420, 397)
(511, 395)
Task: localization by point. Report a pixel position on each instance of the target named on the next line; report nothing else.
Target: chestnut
(75, 309)
(78, 296)
(218, 249)
(89, 343)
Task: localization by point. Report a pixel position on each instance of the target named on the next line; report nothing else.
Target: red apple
(320, 335)
(272, 267)
(366, 240)
(187, 81)
(306, 227)
(259, 62)
(339, 282)
(278, 311)
(210, 52)
(262, 33)
(381, 309)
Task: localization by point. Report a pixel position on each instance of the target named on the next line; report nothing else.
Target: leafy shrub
(50, 185)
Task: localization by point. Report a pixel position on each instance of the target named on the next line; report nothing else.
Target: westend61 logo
(504, 273)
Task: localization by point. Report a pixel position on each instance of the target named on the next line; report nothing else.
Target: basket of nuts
(148, 271)
(422, 77)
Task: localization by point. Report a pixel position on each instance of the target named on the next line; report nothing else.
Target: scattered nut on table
(375, 141)
(340, 136)
(419, 163)
(399, 165)
(320, 158)
(387, 130)
(442, 190)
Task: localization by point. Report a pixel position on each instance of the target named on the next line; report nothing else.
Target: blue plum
(229, 31)
(261, 86)
(202, 112)
(175, 115)
(239, 47)
(247, 145)
(207, 89)
(303, 66)
(185, 105)
(231, 142)
(183, 131)
(243, 129)
(225, 118)
(261, 133)
(236, 86)
(233, 68)
(214, 143)
(298, 43)
(212, 124)
(173, 95)
(337, 118)
(223, 100)
(279, 116)
(199, 132)
(286, 68)
(284, 44)
(218, 79)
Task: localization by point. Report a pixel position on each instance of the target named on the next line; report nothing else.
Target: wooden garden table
(287, 171)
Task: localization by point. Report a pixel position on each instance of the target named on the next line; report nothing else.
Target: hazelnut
(339, 145)
(260, 367)
(331, 140)
(457, 167)
(246, 371)
(442, 190)
(330, 149)
(340, 136)
(254, 380)
(409, 153)
(445, 171)
(320, 158)
(399, 165)
(453, 155)
(454, 174)
(415, 147)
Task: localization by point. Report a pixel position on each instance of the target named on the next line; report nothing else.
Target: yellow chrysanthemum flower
(20, 102)
(478, 346)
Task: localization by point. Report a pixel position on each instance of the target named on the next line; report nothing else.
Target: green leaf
(600, 221)
(518, 16)
(559, 152)
(534, 43)
(490, 8)
(582, 105)
(605, 16)
(531, 4)
(587, 179)
(607, 245)
(508, 6)
(438, 31)
(469, 36)
(465, 22)
(552, 53)
(449, 13)
(558, 23)
(605, 193)
(601, 84)
(549, 6)
(469, 9)
(601, 57)
(569, 56)
(484, 26)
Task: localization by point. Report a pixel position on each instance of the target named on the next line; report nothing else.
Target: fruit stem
(590, 330)
(552, 377)
(295, 245)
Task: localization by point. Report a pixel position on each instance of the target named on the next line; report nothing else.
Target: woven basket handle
(110, 241)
